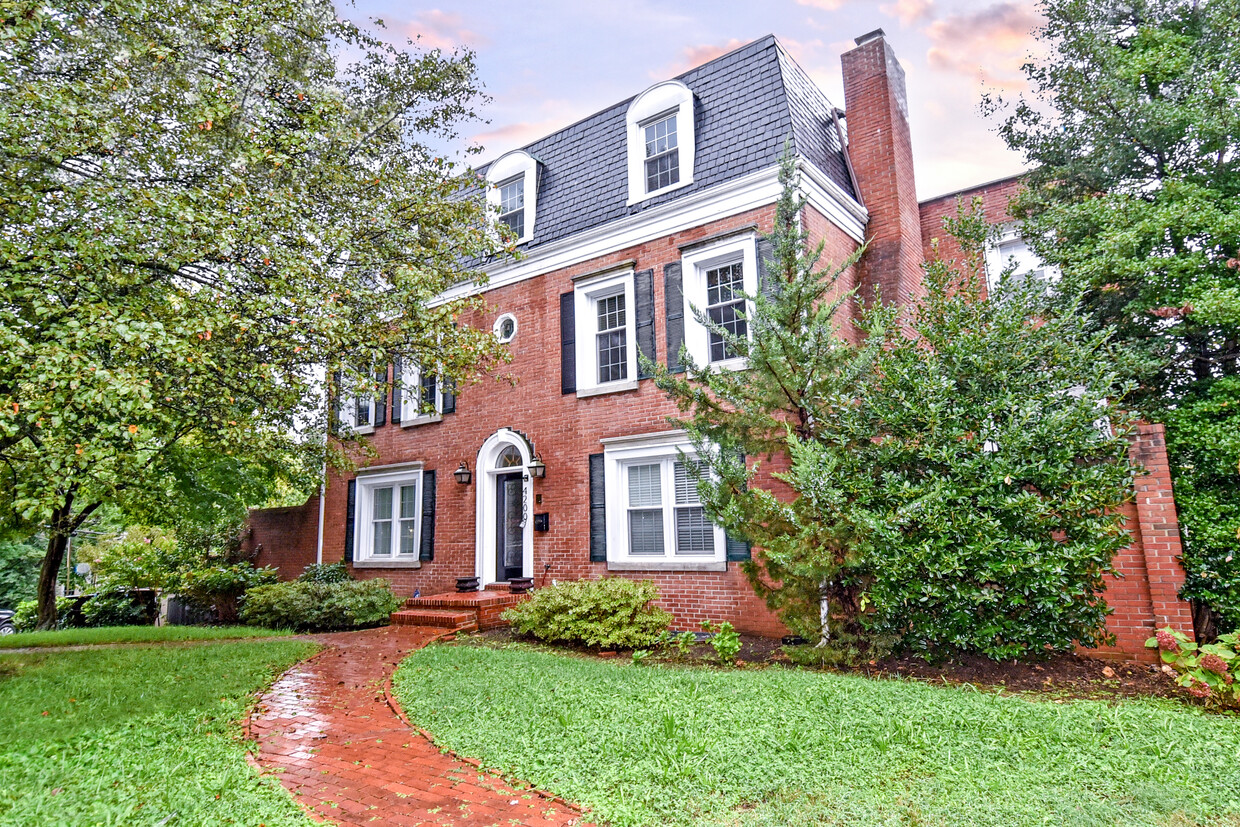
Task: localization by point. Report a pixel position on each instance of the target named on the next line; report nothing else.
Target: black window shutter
(768, 268)
(643, 296)
(736, 549)
(397, 392)
(568, 344)
(333, 410)
(426, 549)
(449, 396)
(598, 511)
(381, 398)
(674, 301)
(350, 512)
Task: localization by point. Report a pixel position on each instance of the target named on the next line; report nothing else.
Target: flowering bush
(1210, 672)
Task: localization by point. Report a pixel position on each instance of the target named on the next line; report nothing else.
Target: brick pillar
(881, 151)
(1160, 530)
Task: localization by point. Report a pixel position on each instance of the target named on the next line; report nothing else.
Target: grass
(139, 735)
(643, 745)
(133, 634)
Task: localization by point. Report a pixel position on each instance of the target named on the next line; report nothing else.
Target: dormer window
(660, 140)
(512, 205)
(662, 156)
(512, 192)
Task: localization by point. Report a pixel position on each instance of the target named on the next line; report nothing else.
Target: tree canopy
(201, 206)
(1133, 133)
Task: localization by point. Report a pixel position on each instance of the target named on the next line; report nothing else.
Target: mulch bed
(1062, 676)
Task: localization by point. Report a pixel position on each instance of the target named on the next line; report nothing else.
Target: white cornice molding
(757, 189)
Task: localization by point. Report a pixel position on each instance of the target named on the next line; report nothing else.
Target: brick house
(624, 219)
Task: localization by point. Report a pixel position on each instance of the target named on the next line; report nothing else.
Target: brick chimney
(881, 152)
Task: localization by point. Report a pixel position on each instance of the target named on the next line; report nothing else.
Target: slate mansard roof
(747, 103)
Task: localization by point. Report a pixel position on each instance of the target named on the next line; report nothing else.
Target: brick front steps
(468, 612)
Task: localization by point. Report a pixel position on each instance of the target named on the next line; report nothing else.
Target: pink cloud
(908, 11)
(696, 56)
(998, 37)
(436, 29)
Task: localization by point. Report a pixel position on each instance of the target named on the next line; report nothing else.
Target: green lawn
(134, 634)
(644, 745)
(139, 735)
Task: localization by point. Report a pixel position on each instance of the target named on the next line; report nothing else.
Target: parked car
(6, 622)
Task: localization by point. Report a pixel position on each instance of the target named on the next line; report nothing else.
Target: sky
(548, 63)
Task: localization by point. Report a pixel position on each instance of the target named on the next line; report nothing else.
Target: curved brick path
(326, 729)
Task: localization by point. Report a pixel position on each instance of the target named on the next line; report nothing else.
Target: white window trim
(996, 262)
(495, 328)
(618, 455)
(518, 163)
(411, 413)
(742, 248)
(347, 409)
(662, 99)
(363, 517)
(585, 293)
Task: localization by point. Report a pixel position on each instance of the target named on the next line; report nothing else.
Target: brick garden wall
(286, 538)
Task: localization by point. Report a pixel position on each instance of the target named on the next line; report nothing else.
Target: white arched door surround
(503, 475)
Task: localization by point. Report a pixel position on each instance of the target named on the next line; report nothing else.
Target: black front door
(509, 526)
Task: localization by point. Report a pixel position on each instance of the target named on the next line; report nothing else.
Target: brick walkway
(327, 731)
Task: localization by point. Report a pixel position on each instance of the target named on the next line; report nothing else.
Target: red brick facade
(566, 429)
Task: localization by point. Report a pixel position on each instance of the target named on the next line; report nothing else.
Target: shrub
(312, 606)
(612, 613)
(220, 587)
(1210, 672)
(724, 640)
(26, 615)
(325, 573)
(116, 608)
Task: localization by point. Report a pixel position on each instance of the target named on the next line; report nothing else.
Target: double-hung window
(655, 518)
(512, 193)
(662, 153)
(358, 407)
(717, 278)
(512, 205)
(605, 333)
(389, 517)
(659, 126)
(422, 395)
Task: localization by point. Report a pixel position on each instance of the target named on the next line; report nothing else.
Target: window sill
(666, 565)
(610, 387)
(420, 420)
(349, 430)
(387, 564)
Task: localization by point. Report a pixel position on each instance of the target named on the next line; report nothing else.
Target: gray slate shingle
(747, 103)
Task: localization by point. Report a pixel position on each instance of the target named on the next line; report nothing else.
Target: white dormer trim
(662, 99)
(504, 169)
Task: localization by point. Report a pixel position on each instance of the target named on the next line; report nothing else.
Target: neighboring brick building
(624, 219)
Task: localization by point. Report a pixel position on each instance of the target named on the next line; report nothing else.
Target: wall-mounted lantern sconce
(462, 474)
(538, 468)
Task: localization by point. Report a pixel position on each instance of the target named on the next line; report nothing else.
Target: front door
(509, 526)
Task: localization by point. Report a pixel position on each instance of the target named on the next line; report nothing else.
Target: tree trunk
(63, 524)
(57, 542)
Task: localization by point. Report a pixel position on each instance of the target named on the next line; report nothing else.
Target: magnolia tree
(202, 204)
(953, 472)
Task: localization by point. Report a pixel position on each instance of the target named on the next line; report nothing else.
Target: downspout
(318, 551)
(852, 176)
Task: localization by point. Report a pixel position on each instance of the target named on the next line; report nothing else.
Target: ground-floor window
(389, 516)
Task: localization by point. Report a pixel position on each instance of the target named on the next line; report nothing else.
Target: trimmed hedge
(320, 607)
(612, 613)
